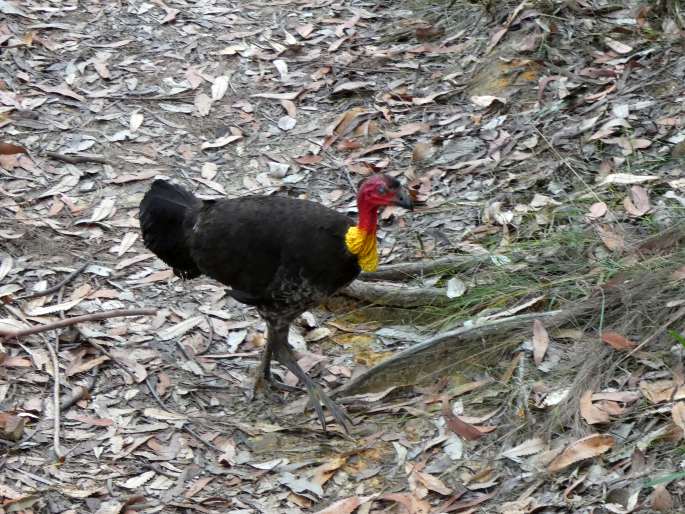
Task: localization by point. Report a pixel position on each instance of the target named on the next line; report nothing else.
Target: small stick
(98, 316)
(78, 159)
(71, 276)
(154, 394)
(200, 439)
(116, 361)
(55, 399)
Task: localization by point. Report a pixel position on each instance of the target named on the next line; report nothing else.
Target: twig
(116, 361)
(98, 316)
(55, 398)
(154, 394)
(659, 331)
(200, 439)
(71, 276)
(79, 158)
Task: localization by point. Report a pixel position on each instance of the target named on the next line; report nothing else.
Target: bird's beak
(403, 199)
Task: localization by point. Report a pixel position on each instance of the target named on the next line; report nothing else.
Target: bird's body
(279, 254)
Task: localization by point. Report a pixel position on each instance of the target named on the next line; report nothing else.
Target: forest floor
(545, 143)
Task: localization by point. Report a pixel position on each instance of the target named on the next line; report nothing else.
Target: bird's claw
(318, 399)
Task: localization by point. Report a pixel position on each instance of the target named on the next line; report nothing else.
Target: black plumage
(279, 254)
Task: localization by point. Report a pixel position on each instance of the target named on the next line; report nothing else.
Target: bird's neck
(360, 240)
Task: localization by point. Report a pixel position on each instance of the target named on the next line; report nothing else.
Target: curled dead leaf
(617, 341)
(591, 414)
(585, 448)
(638, 203)
(459, 427)
(540, 341)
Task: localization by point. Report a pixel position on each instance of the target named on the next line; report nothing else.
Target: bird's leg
(263, 374)
(284, 353)
(264, 368)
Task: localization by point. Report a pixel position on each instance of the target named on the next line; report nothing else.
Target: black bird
(281, 255)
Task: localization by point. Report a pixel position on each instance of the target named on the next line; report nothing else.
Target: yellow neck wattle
(361, 243)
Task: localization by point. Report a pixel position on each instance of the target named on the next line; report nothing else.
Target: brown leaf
(11, 426)
(325, 471)
(660, 499)
(408, 129)
(308, 159)
(590, 413)
(432, 483)
(617, 341)
(345, 506)
(348, 145)
(678, 414)
(426, 32)
(10, 149)
(661, 391)
(423, 151)
(15, 361)
(459, 427)
(597, 210)
(540, 341)
(639, 204)
(611, 240)
(410, 502)
(585, 448)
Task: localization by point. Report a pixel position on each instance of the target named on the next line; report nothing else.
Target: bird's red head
(377, 191)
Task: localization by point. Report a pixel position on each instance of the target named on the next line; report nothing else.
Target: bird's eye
(381, 190)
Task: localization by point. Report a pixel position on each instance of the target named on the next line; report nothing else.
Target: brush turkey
(281, 255)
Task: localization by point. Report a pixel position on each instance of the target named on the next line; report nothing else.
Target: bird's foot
(266, 385)
(318, 399)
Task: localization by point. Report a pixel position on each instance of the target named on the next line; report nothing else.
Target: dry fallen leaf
(678, 415)
(612, 240)
(10, 149)
(617, 46)
(540, 341)
(459, 427)
(597, 210)
(590, 413)
(432, 483)
(617, 341)
(408, 129)
(410, 502)
(658, 391)
(585, 448)
(638, 204)
(661, 500)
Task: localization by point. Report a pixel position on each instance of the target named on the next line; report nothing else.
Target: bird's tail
(167, 215)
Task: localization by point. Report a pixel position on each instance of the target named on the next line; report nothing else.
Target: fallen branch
(98, 316)
(440, 353)
(57, 447)
(396, 294)
(78, 158)
(407, 270)
(53, 289)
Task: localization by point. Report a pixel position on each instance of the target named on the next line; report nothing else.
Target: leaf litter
(154, 411)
